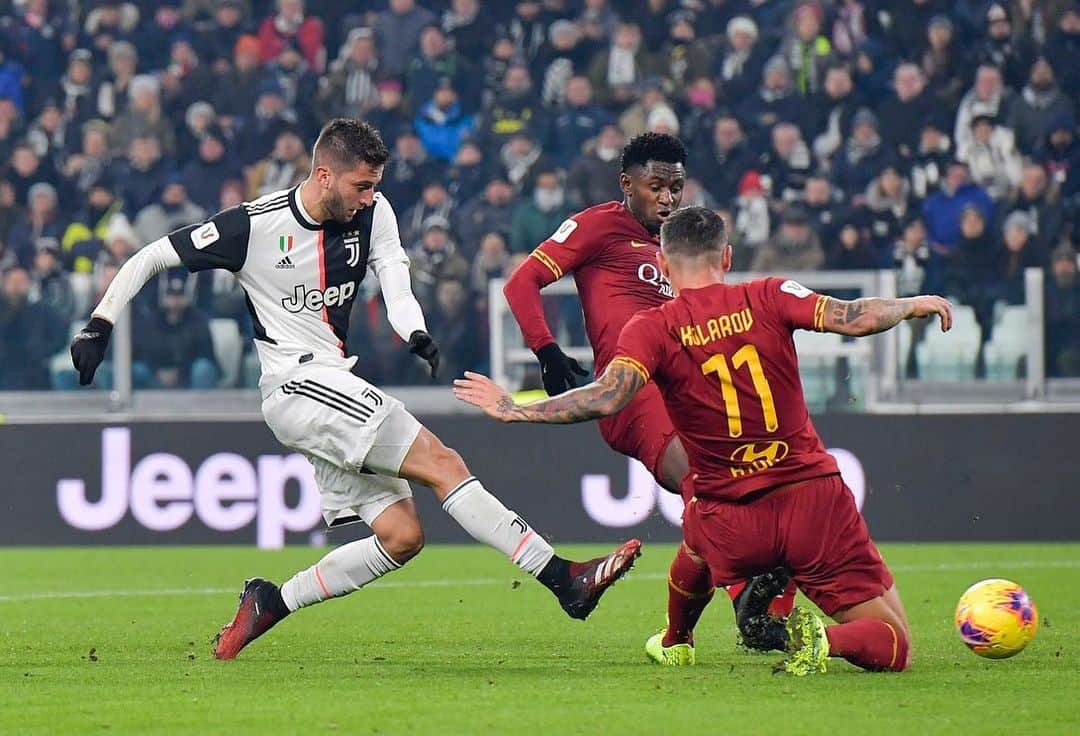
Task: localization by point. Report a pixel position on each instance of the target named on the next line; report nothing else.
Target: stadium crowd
(936, 137)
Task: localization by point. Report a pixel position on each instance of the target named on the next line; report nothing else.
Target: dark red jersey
(724, 359)
(613, 259)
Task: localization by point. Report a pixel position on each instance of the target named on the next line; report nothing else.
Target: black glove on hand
(422, 344)
(557, 369)
(88, 348)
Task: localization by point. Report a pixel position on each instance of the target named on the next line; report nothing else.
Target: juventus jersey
(300, 277)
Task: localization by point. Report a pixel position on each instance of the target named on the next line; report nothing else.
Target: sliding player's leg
(871, 634)
(577, 585)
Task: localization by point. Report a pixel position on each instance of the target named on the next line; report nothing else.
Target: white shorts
(354, 435)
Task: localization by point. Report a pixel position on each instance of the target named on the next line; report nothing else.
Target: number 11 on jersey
(748, 356)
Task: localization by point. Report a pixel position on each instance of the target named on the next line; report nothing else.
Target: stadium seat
(228, 349)
(950, 356)
(1008, 344)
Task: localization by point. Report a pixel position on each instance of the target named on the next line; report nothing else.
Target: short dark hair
(693, 231)
(653, 147)
(346, 142)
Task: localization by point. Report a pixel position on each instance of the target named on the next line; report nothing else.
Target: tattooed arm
(872, 315)
(603, 397)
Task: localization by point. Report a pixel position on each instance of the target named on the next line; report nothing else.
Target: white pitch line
(633, 577)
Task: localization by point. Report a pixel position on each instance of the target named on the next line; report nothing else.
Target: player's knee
(448, 463)
(403, 542)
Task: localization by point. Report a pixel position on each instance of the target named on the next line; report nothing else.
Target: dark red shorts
(812, 527)
(642, 430)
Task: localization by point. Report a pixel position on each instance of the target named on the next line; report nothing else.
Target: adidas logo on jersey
(285, 262)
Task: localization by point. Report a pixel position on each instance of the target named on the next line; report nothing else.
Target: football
(996, 618)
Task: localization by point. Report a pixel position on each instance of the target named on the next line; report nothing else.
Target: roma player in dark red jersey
(611, 250)
(765, 492)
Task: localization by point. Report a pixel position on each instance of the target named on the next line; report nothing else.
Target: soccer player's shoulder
(587, 222)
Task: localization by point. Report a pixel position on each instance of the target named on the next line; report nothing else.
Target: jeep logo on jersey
(315, 299)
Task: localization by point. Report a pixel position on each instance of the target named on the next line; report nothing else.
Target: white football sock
(343, 570)
(485, 518)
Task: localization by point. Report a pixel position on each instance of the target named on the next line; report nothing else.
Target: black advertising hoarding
(919, 478)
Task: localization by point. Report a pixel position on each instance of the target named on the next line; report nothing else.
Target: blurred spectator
(1063, 49)
(114, 89)
(437, 65)
(1040, 103)
(489, 263)
(186, 80)
(852, 250)
(594, 176)
(752, 218)
(435, 202)
(1018, 252)
(50, 282)
(578, 121)
(290, 25)
(615, 72)
(469, 27)
(349, 90)
(76, 90)
(942, 62)
(389, 116)
(434, 259)
(773, 102)
(863, 156)
(515, 110)
(30, 334)
(406, 171)
(889, 205)
(144, 173)
(728, 157)
(219, 36)
(42, 220)
(973, 271)
(109, 22)
(442, 123)
(903, 113)
(469, 172)
(12, 76)
(821, 207)
(941, 210)
(28, 168)
(171, 212)
(805, 49)
(794, 247)
(1001, 47)
(83, 236)
(521, 158)
(161, 25)
(10, 212)
(739, 64)
(238, 87)
(212, 166)
(272, 116)
(299, 86)
(121, 242)
(11, 128)
(991, 157)
(931, 159)
(1041, 200)
(787, 163)
(527, 28)
(988, 96)
(650, 108)
(176, 344)
(683, 55)
(699, 112)
(48, 133)
(597, 21)
(695, 195)
(92, 161)
(397, 30)
(503, 55)
(199, 119)
(540, 215)
(563, 56)
(41, 33)
(1062, 305)
(488, 212)
(455, 322)
(910, 256)
(831, 112)
(143, 117)
(1060, 154)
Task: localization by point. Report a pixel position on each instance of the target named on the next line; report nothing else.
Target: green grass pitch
(461, 642)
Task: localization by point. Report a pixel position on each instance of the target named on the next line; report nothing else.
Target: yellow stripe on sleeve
(549, 262)
(819, 313)
(636, 365)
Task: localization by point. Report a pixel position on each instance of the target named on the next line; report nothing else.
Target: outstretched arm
(603, 397)
(872, 315)
(133, 275)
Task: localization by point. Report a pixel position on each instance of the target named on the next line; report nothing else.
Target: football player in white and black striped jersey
(300, 255)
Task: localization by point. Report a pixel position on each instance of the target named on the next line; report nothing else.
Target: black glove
(88, 348)
(422, 344)
(557, 369)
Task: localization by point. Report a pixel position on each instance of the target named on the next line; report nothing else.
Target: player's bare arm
(603, 397)
(872, 315)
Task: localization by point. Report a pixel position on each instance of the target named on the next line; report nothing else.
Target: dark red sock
(782, 604)
(689, 590)
(869, 643)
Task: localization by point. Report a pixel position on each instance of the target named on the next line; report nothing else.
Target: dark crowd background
(935, 138)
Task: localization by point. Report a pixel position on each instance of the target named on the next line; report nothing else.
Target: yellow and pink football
(996, 618)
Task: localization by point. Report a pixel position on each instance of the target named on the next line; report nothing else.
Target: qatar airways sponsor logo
(650, 274)
(226, 492)
(644, 495)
